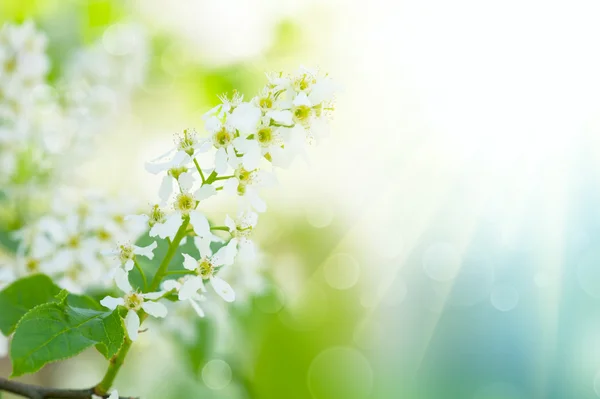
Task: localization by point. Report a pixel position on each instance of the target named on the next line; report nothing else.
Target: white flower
(241, 229)
(245, 118)
(134, 302)
(268, 141)
(245, 184)
(190, 293)
(185, 206)
(222, 136)
(167, 228)
(178, 174)
(126, 254)
(206, 269)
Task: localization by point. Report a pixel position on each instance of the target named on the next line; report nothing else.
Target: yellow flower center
(125, 253)
(185, 203)
(156, 215)
(134, 301)
(265, 136)
(222, 138)
(301, 113)
(265, 103)
(205, 268)
(73, 242)
(186, 141)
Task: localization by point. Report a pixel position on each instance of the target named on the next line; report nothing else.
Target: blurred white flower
(241, 229)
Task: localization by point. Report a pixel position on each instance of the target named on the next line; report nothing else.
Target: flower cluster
(245, 141)
(74, 244)
(46, 129)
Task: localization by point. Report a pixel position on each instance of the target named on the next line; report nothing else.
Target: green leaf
(57, 331)
(23, 295)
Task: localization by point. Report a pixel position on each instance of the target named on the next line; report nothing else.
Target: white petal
(186, 181)
(132, 324)
(147, 251)
(178, 159)
(155, 309)
(114, 395)
(190, 287)
(321, 91)
(200, 223)
(205, 192)
(234, 161)
(138, 219)
(256, 202)
(128, 266)
(222, 288)
(166, 154)
(229, 222)
(302, 99)
(221, 161)
(251, 218)
(228, 252)
(231, 186)
(247, 249)
(153, 295)
(252, 157)
(166, 188)
(197, 307)
(245, 118)
(168, 228)
(282, 117)
(282, 157)
(212, 124)
(122, 281)
(112, 303)
(242, 144)
(203, 245)
(111, 252)
(171, 285)
(189, 263)
(156, 168)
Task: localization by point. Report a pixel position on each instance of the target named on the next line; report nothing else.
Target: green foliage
(51, 324)
(22, 296)
(57, 331)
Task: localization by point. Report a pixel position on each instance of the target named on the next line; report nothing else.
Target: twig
(37, 392)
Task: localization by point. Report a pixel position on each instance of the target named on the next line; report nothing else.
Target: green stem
(224, 228)
(223, 177)
(164, 266)
(113, 369)
(173, 272)
(116, 362)
(199, 170)
(211, 178)
(139, 268)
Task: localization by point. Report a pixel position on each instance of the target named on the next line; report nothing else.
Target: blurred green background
(441, 244)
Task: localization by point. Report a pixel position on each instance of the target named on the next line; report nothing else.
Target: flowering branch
(38, 392)
(245, 139)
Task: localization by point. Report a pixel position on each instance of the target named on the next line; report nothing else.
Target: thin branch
(37, 392)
